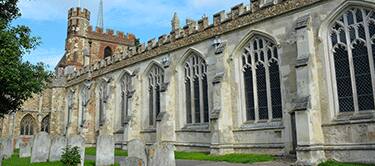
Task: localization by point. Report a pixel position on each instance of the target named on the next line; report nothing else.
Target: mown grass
(118, 152)
(231, 158)
(16, 161)
(335, 163)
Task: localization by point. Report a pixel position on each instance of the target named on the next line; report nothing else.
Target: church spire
(175, 22)
(100, 22)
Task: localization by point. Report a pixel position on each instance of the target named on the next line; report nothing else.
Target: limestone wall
(311, 127)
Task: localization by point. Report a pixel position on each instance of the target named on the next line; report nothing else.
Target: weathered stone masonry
(219, 87)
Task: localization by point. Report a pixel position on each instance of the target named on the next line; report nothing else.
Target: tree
(19, 80)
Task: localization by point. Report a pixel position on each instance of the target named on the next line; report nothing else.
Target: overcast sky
(145, 18)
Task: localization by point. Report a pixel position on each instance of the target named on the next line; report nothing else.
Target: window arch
(196, 90)
(45, 124)
(107, 52)
(125, 85)
(27, 125)
(155, 78)
(352, 48)
(261, 79)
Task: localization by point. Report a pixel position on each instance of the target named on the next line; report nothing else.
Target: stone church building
(273, 76)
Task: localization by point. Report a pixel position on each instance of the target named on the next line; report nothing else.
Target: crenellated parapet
(110, 36)
(79, 12)
(194, 31)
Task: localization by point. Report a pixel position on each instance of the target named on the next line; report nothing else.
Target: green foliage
(70, 156)
(335, 163)
(19, 79)
(231, 158)
(118, 152)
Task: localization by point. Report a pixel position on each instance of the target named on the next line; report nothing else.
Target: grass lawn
(231, 158)
(16, 161)
(118, 152)
(335, 163)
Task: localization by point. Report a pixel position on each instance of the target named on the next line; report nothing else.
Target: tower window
(107, 52)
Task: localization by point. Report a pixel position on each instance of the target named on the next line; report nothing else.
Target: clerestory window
(260, 67)
(352, 48)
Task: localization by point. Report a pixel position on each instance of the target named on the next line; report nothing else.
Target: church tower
(78, 23)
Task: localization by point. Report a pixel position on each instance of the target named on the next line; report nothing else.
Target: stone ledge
(258, 145)
(192, 144)
(348, 122)
(148, 131)
(330, 147)
(192, 130)
(248, 126)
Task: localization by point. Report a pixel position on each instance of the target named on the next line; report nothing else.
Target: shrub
(71, 156)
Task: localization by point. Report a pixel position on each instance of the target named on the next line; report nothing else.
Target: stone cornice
(184, 38)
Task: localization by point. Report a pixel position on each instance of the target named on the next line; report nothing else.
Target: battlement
(79, 12)
(111, 36)
(194, 31)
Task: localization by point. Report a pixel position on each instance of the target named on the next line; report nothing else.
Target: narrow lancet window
(155, 80)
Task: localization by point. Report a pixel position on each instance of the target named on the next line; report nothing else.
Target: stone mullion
(192, 106)
(200, 80)
(351, 64)
(255, 90)
(369, 50)
(268, 86)
(154, 104)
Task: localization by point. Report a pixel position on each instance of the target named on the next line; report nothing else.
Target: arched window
(45, 124)
(107, 52)
(70, 106)
(155, 80)
(261, 79)
(85, 98)
(125, 84)
(352, 48)
(196, 90)
(103, 98)
(27, 125)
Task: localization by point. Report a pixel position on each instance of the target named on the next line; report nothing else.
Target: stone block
(18, 142)
(41, 146)
(161, 154)
(137, 149)
(57, 146)
(132, 161)
(79, 141)
(25, 149)
(8, 148)
(105, 150)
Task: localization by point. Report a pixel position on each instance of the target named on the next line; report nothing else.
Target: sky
(146, 19)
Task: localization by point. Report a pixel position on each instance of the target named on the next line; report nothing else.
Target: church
(280, 77)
